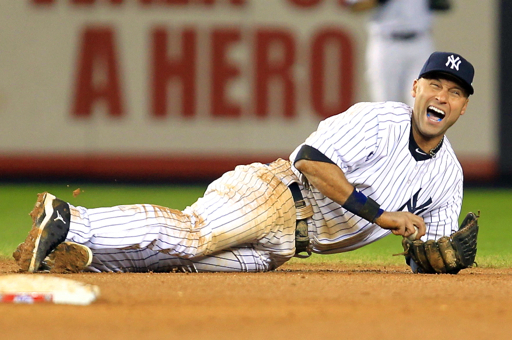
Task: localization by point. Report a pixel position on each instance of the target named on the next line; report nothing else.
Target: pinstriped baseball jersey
(372, 144)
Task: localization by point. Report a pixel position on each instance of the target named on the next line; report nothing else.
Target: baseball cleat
(51, 218)
(68, 257)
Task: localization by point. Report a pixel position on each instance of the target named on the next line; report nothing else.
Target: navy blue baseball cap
(452, 64)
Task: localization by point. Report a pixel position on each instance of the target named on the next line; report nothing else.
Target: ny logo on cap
(455, 62)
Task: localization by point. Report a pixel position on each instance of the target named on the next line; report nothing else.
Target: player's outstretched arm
(330, 180)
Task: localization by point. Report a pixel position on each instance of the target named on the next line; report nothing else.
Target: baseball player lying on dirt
(375, 169)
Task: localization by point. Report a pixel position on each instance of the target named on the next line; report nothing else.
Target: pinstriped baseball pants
(244, 222)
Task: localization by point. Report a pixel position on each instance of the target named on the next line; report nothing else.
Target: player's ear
(414, 88)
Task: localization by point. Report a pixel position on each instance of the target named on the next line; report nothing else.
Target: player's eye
(456, 92)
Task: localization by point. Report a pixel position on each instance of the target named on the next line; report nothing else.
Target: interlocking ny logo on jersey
(455, 62)
(412, 205)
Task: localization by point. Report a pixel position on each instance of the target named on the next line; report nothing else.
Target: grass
(17, 200)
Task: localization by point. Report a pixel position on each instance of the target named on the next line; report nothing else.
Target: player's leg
(248, 205)
(383, 62)
(423, 47)
(239, 259)
(239, 208)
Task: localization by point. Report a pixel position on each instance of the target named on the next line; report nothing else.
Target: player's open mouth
(435, 114)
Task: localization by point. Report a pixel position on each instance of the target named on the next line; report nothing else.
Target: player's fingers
(409, 229)
(397, 231)
(420, 224)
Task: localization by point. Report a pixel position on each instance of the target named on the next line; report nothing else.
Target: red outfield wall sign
(170, 89)
(98, 52)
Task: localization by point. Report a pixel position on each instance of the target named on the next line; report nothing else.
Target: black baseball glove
(448, 254)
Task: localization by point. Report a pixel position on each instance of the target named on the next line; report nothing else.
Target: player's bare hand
(402, 223)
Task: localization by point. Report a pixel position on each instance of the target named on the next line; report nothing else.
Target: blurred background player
(399, 39)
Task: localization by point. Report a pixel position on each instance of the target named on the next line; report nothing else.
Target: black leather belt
(404, 35)
(296, 193)
(303, 212)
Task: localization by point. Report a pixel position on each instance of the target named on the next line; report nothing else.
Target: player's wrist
(361, 205)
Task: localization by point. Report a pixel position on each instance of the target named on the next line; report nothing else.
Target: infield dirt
(298, 301)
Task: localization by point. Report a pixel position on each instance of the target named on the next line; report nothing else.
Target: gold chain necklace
(432, 152)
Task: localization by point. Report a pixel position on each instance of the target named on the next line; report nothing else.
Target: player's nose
(442, 96)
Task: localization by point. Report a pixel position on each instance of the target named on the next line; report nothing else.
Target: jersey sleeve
(349, 137)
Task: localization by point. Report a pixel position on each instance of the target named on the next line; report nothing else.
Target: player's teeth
(435, 109)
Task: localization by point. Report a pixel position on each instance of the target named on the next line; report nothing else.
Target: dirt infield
(295, 302)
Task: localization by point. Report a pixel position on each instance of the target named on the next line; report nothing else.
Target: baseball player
(399, 40)
(375, 169)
